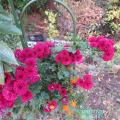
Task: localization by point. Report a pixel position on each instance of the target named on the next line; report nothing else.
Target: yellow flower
(73, 103)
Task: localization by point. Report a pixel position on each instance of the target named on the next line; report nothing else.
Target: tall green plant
(7, 59)
(7, 25)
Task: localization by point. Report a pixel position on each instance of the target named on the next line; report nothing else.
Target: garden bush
(43, 79)
(46, 80)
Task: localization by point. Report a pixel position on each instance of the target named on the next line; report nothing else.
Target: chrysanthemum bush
(46, 79)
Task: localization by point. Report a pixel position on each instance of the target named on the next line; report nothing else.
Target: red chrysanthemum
(41, 50)
(30, 71)
(9, 94)
(30, 62)
(20, 87)
(52, 105)
(86, 82)
(18, 53)
(8, 78)
(63, 57)
(1, 87)
(8, 75)
(2, 102)
(78, 56)
(105, 45)
(20, 75)
(34, 79)
(63, 92)
(51, 87)
(50, 44)
(24, 54)
(28, 52)
(93, 41)
(46, 109)
(27, 96)
(58, 86)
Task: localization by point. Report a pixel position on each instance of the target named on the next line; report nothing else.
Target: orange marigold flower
(65, 107)
(73, 80)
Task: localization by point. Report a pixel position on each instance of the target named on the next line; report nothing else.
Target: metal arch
(60, 2)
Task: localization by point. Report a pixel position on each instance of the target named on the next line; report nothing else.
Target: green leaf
(84, 114)
(58, 48)
(5, 18)
(6, 25)
(8, 28)
(7, 68)
(66, 74)
(30, 116)
(1, 74)
(1, 9)
(60, 76)
(6, 54)
(70, 49)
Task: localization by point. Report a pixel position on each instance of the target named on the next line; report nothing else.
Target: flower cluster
(52, 105)
(85, 82)
(62, 92)
(58, 87)
(67, 58)
(66, 107)
(103, 44)
(40, 50)
(17, 86)
(12, 90)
